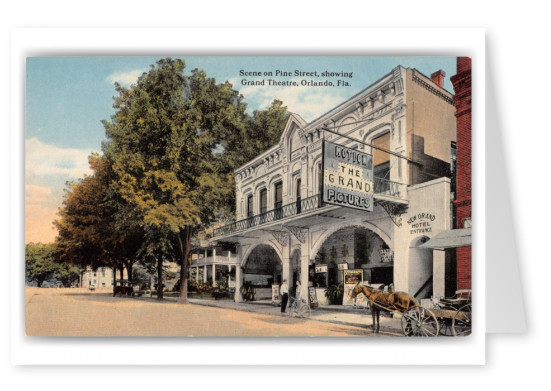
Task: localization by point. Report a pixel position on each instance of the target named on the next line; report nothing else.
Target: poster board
(313, 297)
(351, 279)
(275, 294)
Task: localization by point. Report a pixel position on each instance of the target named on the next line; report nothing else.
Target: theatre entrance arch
(353, 247)
(263, 268)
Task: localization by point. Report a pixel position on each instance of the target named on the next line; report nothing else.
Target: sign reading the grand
(347, 177)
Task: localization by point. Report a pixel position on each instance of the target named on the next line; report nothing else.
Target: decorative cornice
(431, 89)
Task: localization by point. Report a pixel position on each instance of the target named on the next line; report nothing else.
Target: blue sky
(67, 97)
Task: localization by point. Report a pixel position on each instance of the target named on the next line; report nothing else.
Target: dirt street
(80, 312)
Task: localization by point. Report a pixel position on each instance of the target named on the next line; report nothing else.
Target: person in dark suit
(284, 290)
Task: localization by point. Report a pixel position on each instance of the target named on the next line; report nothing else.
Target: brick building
(462, 99)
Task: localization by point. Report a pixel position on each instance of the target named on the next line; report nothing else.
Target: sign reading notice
(347, 177)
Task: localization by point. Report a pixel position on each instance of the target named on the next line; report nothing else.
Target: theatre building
(360, 189)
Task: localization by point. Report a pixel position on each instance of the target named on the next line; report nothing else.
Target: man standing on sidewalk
(284, 290)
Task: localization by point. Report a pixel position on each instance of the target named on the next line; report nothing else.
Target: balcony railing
(382, 186)
(220, 260)
(386, 187)
(288, 210)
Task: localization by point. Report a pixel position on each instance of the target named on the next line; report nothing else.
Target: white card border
(253, 351)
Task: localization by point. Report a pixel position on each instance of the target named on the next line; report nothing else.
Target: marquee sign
(347, 177)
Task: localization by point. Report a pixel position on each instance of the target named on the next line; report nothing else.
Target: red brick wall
(462, 87)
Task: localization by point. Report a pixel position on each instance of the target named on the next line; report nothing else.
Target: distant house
(100, 278)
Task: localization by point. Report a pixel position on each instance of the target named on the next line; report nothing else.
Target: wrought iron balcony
(382, 186)
(288, 210)
(390, 188)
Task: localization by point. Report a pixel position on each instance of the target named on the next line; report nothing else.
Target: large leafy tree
(167, 139)
(91, 230)
(263, 130)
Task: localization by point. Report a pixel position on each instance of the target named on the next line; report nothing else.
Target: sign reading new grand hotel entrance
(347, 177)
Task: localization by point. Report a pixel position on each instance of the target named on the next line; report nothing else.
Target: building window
(298, 198)
(278, 200)
(103, 272)
(250, 211)
(263, 201)
(381, 159)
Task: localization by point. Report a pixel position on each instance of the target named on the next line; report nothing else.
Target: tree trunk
(160, 278)
(114, 279)
(129, 270)
(185, 247)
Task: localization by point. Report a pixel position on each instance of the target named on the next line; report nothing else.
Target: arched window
(381, 159)
(263, 200)
(278, 200)
(250, 211)
(298, 198)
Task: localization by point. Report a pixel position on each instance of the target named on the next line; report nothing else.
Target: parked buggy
(123, 288)
(454, 313)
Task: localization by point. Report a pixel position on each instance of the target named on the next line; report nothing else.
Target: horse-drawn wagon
(452, 315)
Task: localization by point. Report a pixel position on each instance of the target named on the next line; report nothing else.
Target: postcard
(248, 196)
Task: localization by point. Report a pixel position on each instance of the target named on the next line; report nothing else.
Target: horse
(396, 301)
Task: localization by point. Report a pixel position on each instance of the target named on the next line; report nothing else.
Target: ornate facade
(282, 230)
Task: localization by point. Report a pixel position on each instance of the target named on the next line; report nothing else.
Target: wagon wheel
(461, 323)
(420, 322)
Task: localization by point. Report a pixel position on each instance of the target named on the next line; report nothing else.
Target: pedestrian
(284, 290)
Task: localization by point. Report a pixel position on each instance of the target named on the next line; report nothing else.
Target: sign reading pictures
(347, 177)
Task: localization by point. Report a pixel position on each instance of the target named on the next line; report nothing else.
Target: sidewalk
(359, 317)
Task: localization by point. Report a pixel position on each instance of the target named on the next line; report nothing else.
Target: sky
(68, 97)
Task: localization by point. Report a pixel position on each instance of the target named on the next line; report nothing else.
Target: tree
(40, 265)
(91, 230)
(262, 131)
(167, 141)
(39, 262)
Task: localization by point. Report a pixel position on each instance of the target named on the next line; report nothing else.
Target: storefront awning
(450, 239)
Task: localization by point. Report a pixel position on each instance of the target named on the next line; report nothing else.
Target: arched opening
(420, 269)
(262, 269)
(357, 248)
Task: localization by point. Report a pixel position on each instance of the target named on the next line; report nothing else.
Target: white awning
(449, 239)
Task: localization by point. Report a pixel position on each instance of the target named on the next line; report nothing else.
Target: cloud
(309, 102)
(45, 159)
(39, 216)
(35, 194)
(47, 168)
(125, 78)
(39, 226)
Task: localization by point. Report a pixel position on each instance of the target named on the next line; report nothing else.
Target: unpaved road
(81, 313)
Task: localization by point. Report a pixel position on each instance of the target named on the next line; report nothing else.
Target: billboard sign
(347, 177)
